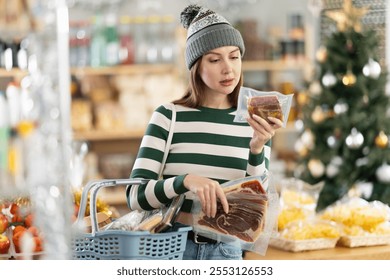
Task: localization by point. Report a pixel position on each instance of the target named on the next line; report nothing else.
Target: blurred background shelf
(104, 135)
(272, 65)
(124, 69)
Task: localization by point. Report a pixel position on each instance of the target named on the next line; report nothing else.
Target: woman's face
(220, 69)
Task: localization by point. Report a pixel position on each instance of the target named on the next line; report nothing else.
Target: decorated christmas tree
(345, 140)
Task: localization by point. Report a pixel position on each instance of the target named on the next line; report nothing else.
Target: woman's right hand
(208, 191)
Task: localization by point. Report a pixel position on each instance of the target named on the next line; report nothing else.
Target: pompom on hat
(207, 30)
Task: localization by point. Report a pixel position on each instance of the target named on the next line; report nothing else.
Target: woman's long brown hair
(195, 93)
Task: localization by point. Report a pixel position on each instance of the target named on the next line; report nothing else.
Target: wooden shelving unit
(272, 65)
(124, 70)
(106, 135)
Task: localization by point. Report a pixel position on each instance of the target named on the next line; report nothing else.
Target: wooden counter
(338, 253)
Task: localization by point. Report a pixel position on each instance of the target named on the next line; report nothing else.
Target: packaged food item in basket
(102, 220)
(155, 221)
(251, 218)
(264, 104)
(128, 222)
(150, 222)
(170, 214)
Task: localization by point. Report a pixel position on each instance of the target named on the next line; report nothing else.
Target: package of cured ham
(251, 219)
(264, 104)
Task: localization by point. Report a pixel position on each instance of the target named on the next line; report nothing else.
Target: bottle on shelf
(83, 37)
(140, 28)
(168, 41)
(112, 39)
(153, 39)
(297, 36)
(98, 42)
(126, 38)
(73, 52)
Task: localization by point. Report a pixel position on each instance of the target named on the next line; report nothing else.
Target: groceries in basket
(264, 104)
(155, 221)
(135, 220)
(119, 240)
(251, 218)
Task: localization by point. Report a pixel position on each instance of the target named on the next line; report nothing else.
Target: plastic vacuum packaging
(264, 104)
(252, 216)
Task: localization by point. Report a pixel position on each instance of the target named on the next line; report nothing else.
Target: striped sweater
(206, 142)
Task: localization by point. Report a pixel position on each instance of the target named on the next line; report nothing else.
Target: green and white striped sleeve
(148, 163)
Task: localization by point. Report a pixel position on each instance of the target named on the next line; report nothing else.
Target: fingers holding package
(208, 191)
(263, 131)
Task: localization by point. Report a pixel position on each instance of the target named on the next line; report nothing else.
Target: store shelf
(338, 253)
(107, 135)
(125, 70)
(272, 65)
(14, 72)
(259, 65)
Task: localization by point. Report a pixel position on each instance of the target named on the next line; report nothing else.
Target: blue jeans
(217, 251)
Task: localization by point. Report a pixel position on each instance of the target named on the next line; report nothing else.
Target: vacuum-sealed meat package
(251, 218)
(264, 104)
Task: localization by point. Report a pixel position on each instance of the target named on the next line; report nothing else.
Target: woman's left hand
(262, 131)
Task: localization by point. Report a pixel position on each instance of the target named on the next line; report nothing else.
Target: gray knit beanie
(207, 30)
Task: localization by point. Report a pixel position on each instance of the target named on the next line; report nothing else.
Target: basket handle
(93, 187)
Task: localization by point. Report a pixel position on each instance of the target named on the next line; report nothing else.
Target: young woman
(207, 148)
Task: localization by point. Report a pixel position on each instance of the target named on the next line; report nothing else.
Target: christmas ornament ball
(316, 167)
(382, 141)
(318, 115)
(321, 54)
(332, 170)
(355, 139)
(383, 173)
(349, 79)
(315, 88)
(372, 69)
(329, 79)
